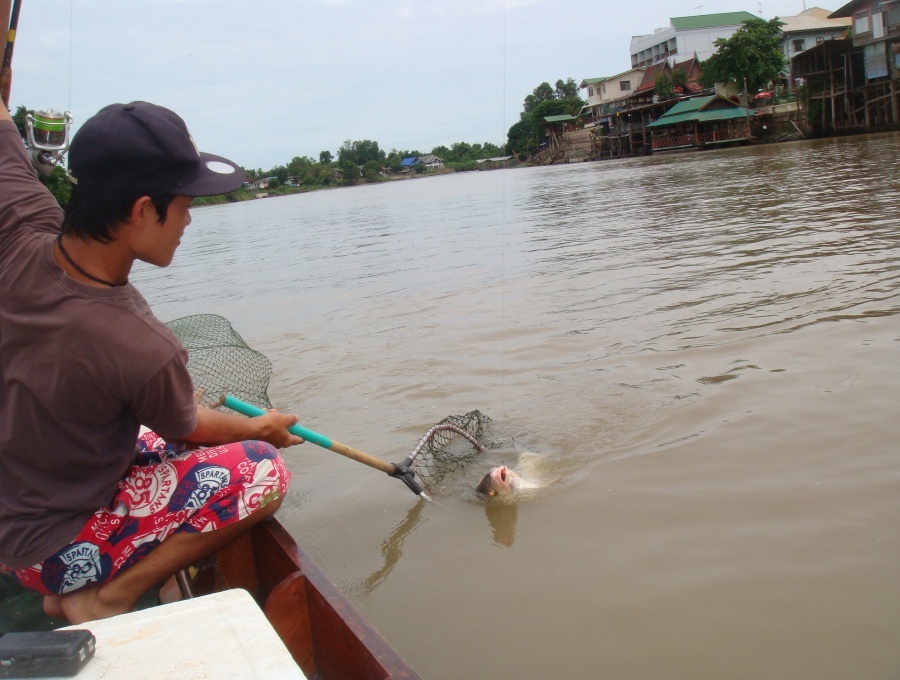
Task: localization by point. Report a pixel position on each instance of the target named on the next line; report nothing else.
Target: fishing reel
(47, 138)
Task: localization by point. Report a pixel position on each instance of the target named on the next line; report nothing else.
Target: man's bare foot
(52, 607)
(86, 604)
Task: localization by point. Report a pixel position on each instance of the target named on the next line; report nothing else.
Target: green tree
(280, 172)
(521, 140)
(325, 157)
(663, 86)
(360, 152)
(567, 90)
(557, 107)
(443, 152)
(523, 137)
(542, 93)
(753, 52)
(302, 168)
(679, 79)
(324, 175)
(19, 119)
(370, 170)
(58, 184)
(349, 171)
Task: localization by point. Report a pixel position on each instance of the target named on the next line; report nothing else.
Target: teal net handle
(252, 411)
(401, 471)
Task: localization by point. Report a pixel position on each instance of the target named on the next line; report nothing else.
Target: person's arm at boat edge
(215, 427)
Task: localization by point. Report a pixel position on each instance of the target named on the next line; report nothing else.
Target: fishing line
(71, 42)
(503, 223)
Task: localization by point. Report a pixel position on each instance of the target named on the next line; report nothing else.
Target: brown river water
(703, 349)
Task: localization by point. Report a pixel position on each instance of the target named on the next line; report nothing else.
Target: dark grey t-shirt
(81, 368)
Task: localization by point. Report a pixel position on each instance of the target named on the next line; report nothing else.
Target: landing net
(220, 362)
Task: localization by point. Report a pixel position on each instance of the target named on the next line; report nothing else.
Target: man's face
(167, 236)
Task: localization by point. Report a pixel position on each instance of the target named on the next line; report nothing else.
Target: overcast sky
(263, 82)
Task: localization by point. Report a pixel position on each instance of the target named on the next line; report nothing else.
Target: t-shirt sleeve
(166, 402)
(25, 203)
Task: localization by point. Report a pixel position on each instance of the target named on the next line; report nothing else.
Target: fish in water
(503, 482)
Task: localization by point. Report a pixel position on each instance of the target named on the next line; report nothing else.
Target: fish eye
(491, 493)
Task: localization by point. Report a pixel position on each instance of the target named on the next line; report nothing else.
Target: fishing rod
(6, 68)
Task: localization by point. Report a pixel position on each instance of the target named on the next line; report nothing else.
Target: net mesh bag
(449, 446)
(221, 362)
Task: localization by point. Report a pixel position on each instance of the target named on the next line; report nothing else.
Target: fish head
(500, 481)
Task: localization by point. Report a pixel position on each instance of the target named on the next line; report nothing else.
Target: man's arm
(4, 113)
(26, 205)
(215, 427)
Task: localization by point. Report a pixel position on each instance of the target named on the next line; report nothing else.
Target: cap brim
(218, 175)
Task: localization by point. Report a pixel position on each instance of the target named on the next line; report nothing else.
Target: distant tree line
(363, 160)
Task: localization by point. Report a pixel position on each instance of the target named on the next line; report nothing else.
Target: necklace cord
(81, 271)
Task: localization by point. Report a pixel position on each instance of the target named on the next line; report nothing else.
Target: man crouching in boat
(85, 518)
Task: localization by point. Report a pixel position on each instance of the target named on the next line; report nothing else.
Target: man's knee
(270, 467)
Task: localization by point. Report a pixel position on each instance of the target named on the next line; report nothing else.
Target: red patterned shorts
(167, 491)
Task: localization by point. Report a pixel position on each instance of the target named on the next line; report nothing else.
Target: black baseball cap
(126, 151)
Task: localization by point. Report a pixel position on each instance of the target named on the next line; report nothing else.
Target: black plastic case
(48, 653)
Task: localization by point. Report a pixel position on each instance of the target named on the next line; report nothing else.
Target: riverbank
(775, 135)
(287, 190)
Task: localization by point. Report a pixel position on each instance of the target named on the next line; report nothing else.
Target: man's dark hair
(89, 218)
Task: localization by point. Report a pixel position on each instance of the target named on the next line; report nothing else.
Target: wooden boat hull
(324, 632)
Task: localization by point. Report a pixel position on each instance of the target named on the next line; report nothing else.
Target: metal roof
(801, 23)
(700, 117)
(711, 20)
(558, 119)
(695, 104)
(691, 110)
(846, 10)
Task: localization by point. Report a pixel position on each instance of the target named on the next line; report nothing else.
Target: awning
(701, 117)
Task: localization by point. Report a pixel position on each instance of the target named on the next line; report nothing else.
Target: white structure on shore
(685, 36)
(808, 29)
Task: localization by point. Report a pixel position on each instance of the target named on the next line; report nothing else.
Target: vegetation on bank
(524, 137)
(358, 162)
